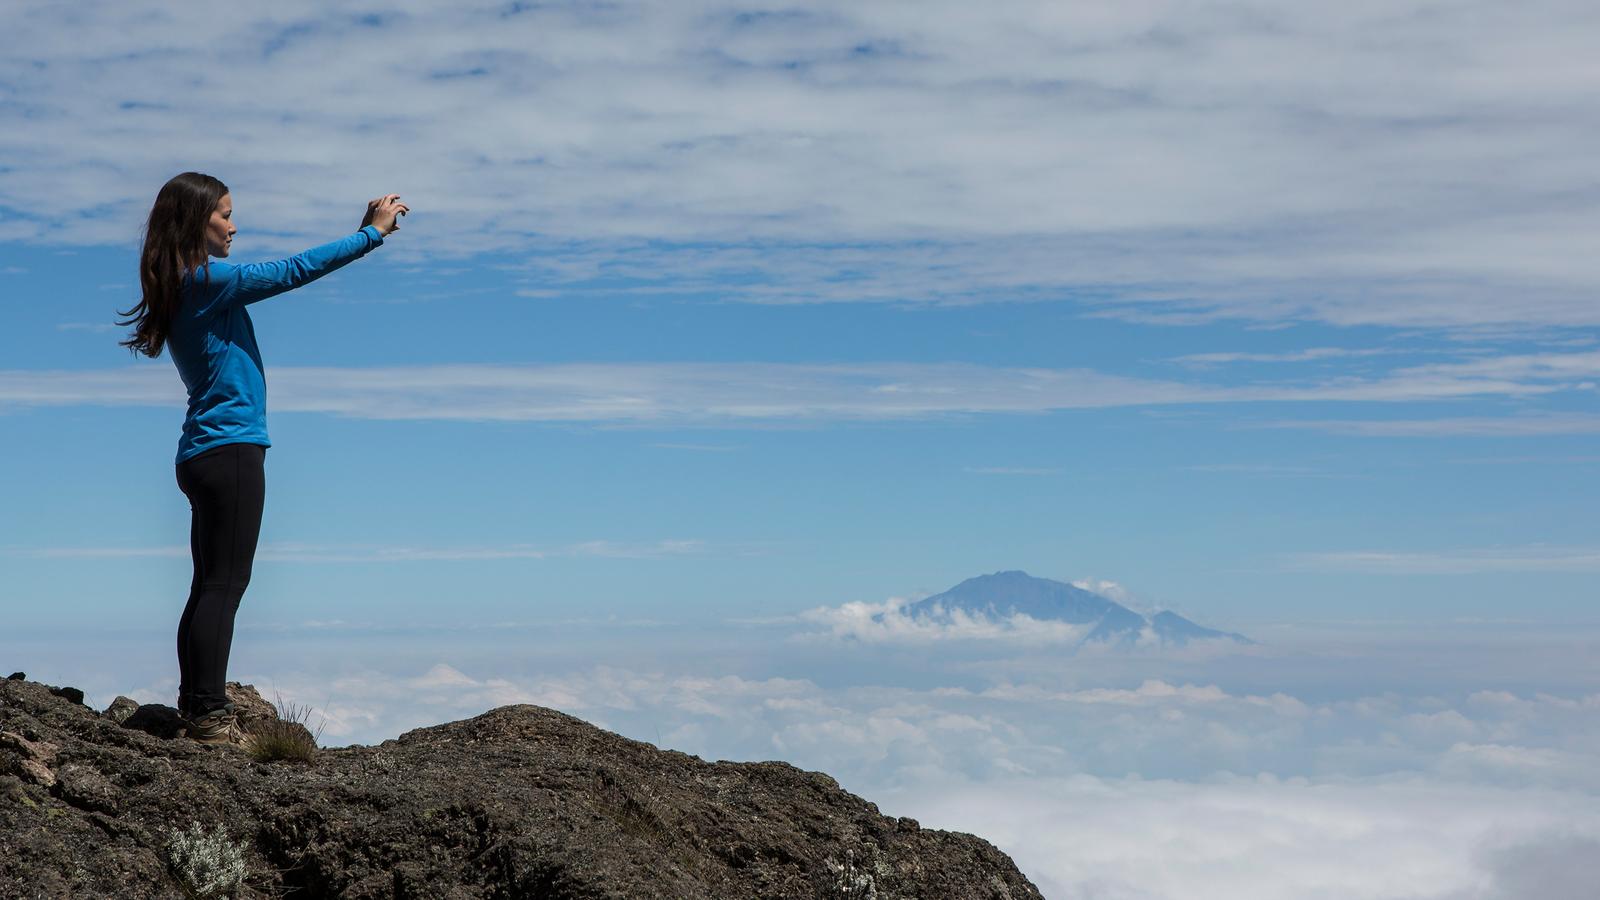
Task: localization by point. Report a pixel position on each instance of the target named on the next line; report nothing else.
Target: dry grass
(287, 738)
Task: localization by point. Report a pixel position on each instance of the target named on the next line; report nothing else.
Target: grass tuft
(286, 738)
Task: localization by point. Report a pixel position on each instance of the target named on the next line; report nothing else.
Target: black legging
(226, 489)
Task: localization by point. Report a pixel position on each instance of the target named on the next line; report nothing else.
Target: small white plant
(852, 881)
(205, 862)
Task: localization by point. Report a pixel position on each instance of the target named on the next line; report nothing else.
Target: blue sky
(717, 323)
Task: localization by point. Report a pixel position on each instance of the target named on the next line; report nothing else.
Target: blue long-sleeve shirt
(214, 347)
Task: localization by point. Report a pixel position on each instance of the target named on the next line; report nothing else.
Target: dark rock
(260, 718)
(157, 720)
(13, 791)
(43, 751)
(69, 693)
(85, 788)
(36, 772)
(31, 760)
(248, 705)
(17, 676)
(120, 709)
(518, 802)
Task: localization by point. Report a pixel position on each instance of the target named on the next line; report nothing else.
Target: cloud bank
(1237, 797)
(1265, 838)
(1103, 781)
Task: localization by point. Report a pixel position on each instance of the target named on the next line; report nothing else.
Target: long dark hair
(174, 242)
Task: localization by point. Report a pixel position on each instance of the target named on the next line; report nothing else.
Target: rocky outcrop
(520, 802)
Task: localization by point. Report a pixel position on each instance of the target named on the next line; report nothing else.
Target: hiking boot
(220, 726)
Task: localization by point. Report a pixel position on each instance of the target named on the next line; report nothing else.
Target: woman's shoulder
(207, 289)
(213, 272)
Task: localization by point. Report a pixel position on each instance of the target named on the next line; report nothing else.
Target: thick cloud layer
(1237, 838)
(1419, 163)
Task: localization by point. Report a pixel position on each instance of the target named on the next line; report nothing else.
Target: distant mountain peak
(1011, 593)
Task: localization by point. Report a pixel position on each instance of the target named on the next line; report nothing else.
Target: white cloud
(883, 733)
(1150, 692)
(888, 622)
(1106, 588)
(1396, 164)
(1267, 469)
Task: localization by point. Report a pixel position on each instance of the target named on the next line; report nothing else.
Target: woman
(197, 307)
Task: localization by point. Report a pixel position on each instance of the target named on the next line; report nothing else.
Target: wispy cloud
(97, 552)
(1456, 426)
(672, 394)
(356, 553)
(1164, 160)
(700, 448)
(1579, 366)
(95, 327)
(368, 628)
(1452, 562)
(1204, 360)
(1526, 460)
(1255, 469)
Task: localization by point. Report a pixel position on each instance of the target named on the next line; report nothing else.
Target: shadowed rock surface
(520, 802)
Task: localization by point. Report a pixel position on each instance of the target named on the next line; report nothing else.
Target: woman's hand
(384, 212)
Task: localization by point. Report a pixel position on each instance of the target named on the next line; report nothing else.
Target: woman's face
(220, 230)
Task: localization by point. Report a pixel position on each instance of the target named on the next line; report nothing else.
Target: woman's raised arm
(258, 281)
